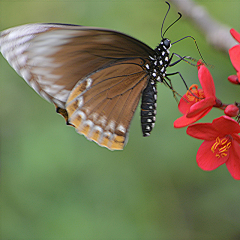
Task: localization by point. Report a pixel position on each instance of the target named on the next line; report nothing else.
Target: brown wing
(102, 104)
(52, 58)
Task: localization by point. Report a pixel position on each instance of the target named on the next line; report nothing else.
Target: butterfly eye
(167, 43)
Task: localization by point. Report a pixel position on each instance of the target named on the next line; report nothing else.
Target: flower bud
(231, 110)
(233, 79)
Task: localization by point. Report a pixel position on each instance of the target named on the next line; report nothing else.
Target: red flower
(221, 144)
(234, 54)
(196, 103)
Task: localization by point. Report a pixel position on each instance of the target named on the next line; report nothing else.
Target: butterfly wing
(52, 58)
(102, 104)
(99, 73)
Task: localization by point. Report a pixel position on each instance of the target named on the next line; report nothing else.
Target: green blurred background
(57, 185)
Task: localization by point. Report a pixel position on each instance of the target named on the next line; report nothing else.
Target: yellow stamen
(221, 146)
(194, 94)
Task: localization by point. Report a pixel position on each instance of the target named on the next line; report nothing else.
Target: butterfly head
(163, 46)
(166, 43)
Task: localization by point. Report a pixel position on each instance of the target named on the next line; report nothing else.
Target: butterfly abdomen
(148, 108)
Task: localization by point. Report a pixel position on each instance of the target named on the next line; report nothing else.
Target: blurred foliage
(57, 185)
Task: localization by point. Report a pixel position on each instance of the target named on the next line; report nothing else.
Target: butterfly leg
(174, 63)
(170, 74)
(167, 81)
(181, 59)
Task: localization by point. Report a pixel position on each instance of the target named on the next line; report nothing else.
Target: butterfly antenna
(196, 47)
(180, 15)
(165, 18)
(196, 60)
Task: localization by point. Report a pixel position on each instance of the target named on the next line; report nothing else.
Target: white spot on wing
(111, 126)
(22, 60)
(93, 128)
(98, 128)
(106, 134)
(88, 123)
(102, 121)
(43, 81)
(25, 74)
(62, 95)
(40, 71)
(121, 128)
(80, 102)
(89, 83)
(34, 85)
(45, 50)
(45, 96)
(58, 103)
(78, 113)
(52, 89)
(94, 116)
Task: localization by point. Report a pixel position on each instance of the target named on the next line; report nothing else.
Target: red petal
(233, 163)
(184, 104)
(236, 137)
(199, 63)
(206, 81)
(201, 106)
(184, 121)
(226, 125)
(234, 54)
(235, 34)
(203, 131)
(234, 79)
(206, 159)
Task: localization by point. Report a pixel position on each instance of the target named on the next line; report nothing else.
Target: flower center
(194, 94)
(221, 146)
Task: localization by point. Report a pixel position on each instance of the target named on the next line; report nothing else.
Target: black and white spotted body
(157, 70)
(148, 108)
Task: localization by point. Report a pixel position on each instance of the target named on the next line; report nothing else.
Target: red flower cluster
(221, 137)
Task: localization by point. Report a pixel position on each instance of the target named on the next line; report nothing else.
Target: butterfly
(94, 76)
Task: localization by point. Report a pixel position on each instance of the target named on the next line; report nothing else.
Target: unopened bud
(233, 79)
(231, 110)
